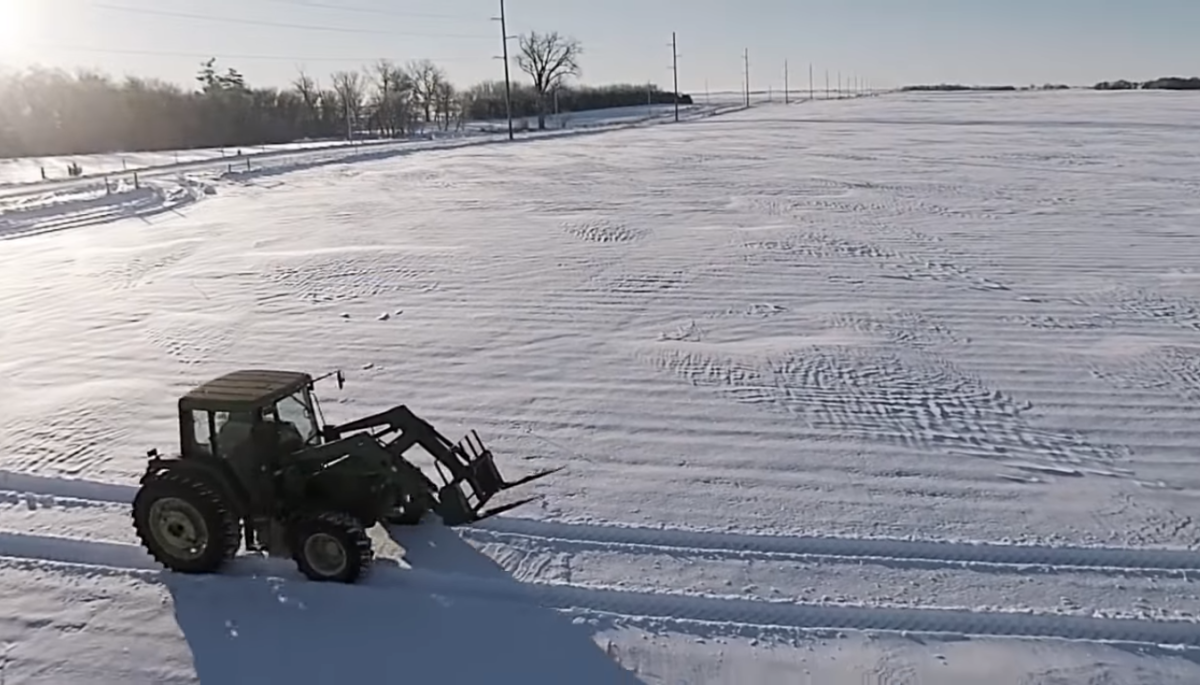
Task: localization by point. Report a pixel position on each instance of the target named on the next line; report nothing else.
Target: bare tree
(426, 77)
(51, 112)
(393, 98)
(548, 59)
(445, 102)
(350, 90)
(309, 92)
(383, 71)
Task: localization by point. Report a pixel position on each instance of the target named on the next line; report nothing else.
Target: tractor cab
(249, 419)
(227, 415)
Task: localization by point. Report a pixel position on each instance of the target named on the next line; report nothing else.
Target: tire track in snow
(121, 558)
(761, 614)
(118, 558)
(1128, 559)
(70, 488)
(90, 206)
(913, 552)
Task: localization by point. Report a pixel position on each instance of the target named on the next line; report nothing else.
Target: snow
(27, 171)
(889, 390)
(155, 185)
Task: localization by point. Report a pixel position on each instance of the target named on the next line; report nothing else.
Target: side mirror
(341, 379)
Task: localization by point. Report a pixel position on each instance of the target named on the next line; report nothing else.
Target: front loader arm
(468, 462)
(395, 419)
(413, 431)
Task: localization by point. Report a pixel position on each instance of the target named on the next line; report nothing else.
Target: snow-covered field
(141, 192)
(22, 170)
(594, 117)
(892, 391)
(27, 170)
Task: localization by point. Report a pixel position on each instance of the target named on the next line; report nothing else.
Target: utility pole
(675, 71)
(504, 38)
(839, 74)
(746, 57)
(785, 82)
(811, 91)
(826, 84)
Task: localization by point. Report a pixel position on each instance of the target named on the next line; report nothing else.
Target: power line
(366, 10)
(504, 38)
(746, 58)
(258, 22)
(675, 71)
(172, 53)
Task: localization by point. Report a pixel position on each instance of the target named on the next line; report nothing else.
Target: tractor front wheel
(330, 547)
(184, 524)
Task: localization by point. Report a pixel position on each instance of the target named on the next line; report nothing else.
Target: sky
(885, 43)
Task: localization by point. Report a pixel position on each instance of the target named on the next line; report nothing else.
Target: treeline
(486, 100)
(53, 112)
(956, 87)
(46, 112)
(1165, 83)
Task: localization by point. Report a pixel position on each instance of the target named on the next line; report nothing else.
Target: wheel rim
(325, 554)
(179, 527)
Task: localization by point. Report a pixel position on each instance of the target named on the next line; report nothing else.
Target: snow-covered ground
(58, 204)
(28, 170)
(894, 390)
(21, 170)
(600, 117)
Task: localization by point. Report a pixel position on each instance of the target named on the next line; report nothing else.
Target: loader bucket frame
(477, 469)
(467, 463)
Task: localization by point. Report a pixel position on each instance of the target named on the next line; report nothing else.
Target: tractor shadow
(267, 624)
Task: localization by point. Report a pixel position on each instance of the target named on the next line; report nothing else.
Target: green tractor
(258, 465)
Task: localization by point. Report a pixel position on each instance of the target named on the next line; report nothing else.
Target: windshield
(294, 409)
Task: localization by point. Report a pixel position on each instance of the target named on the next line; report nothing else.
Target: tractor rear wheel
(330, 547)
(185, 524)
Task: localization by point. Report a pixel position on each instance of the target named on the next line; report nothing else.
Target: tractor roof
(243, 390)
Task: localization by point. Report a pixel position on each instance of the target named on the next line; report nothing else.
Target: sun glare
(14, 17)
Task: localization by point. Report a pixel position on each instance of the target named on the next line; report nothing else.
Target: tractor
(258, 465)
